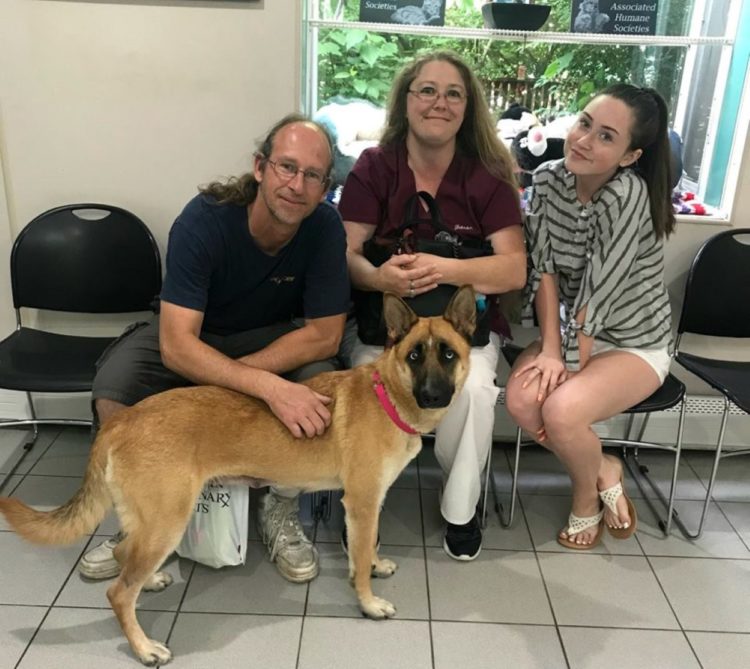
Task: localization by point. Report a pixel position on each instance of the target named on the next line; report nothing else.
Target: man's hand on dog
(302, 410)
(400, 275)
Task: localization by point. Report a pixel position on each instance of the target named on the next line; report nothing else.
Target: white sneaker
(294, 554)
(99, 563)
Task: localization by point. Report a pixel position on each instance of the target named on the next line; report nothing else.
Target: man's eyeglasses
(453, 96)
(287, 171)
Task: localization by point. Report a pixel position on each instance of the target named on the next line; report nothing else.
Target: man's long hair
(243, 190)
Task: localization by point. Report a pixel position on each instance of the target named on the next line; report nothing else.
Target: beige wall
(135, 103)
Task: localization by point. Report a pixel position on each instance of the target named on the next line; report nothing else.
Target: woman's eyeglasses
(453, 96)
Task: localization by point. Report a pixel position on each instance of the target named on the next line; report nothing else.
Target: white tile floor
(525, 602)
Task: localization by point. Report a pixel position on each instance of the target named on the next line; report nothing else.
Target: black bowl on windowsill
(514, 16)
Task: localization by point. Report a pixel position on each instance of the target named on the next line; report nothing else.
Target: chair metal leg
(27, 446)
(714, 469)
(487, 478)
(25, 451)
(668, 502)
(671, 512)
(507, 520)
(321, 505)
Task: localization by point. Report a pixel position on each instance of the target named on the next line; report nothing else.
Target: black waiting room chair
(80, 258)
(717, 304)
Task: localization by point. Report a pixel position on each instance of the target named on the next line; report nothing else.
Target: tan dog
(152, 460)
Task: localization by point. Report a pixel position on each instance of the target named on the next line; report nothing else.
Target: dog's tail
(79, 516)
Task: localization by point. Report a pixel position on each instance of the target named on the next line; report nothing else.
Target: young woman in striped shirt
(595, 232)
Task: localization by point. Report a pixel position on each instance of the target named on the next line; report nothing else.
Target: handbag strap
(411, 219)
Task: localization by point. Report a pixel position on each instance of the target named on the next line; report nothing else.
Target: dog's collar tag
(385, 401)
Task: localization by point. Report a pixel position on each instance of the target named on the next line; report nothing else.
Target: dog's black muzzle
(434, 393)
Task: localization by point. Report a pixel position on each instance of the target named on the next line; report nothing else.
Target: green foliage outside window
(361, 64)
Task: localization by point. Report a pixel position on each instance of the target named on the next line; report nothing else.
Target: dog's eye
(414, 355)
(448, 354)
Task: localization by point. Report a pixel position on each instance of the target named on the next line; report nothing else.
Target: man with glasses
(254, 299)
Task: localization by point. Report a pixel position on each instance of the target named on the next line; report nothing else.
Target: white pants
(464, 437)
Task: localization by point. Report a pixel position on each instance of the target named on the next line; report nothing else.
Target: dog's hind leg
(143, 554)
(362, 512)
(156, 582)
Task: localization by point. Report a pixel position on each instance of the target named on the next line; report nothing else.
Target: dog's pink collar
(385, 401)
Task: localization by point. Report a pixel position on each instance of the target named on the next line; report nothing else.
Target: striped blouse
(606, 258)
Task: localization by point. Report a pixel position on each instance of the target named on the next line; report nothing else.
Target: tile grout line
(57, 435)
(716, 502)
(54, 599)
(316, 522)
(520, 506)
(426, 565)
(301, 633)
(671, 608)
(731, 524)
(33, 463)
(178, 610)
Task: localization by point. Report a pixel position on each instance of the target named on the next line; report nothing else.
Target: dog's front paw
(377, 608)
(384, 568)
(154, 654)
(158, 581)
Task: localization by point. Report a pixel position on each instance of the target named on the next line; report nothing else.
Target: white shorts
(658, 358)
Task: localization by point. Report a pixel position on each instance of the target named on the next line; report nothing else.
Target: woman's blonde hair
(476, 137)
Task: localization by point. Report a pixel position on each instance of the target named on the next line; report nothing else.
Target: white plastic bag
(217, 533)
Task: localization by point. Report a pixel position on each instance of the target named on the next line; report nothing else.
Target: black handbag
(368, 305)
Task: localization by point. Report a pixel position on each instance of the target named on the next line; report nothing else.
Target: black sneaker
(345, 542)
(463, 542)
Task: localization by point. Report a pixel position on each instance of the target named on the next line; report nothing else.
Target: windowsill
(719, 219)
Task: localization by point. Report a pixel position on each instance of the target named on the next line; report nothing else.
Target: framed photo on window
(409, 12)
(619, 17)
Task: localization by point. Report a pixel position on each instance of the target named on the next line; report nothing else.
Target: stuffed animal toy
(513, 120)
(515, 111)
(533, 147)
(354, 125)
(685, 203)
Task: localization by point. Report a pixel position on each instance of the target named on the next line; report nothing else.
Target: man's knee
(105, 409)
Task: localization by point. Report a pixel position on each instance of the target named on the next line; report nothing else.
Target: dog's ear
(461, 312)
(399, 318)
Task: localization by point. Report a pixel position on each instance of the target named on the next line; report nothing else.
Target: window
(694, 61)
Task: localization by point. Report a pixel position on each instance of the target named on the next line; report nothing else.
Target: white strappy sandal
(610, 497)
(577, 525)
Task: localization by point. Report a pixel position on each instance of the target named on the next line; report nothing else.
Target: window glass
(552, 79)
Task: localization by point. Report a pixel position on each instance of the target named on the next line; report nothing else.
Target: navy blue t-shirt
(214, 266)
